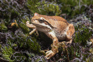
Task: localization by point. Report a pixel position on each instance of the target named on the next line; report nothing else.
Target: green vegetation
(83, 35)
(15, 43)
(7, 53)
(44, 7)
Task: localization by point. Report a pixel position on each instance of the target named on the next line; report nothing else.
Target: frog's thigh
(54, 49)
(52, 35)
(69, 42)
(30, 25)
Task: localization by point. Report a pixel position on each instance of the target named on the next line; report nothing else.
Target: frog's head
(39, 20)
(35, 19)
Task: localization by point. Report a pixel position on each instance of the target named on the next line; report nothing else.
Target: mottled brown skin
(55, 27)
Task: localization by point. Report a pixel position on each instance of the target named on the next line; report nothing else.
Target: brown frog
(55, 27)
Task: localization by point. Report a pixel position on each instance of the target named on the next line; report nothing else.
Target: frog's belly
(61, 35)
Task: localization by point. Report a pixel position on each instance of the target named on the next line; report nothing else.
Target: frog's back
(55, 21)
(60, 24)
(54, 18)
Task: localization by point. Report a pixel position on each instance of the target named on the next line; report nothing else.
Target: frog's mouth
(42, 23)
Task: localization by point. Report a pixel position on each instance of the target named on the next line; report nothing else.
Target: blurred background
(17, 46)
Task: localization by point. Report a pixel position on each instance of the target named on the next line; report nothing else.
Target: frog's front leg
(31, 26)
(54, 49)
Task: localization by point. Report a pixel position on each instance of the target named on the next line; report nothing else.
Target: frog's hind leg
(69, 42)
(54, 46)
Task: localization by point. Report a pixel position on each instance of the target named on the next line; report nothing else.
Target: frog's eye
(41, 21)
(45, 22)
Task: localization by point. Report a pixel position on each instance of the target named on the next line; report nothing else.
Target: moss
(19, 57)
(17, 46)
(24, 28)
(7, 53)
(70, 7)
(33, 45)
(3, 26)
(44, 7)
(39, 59)
(83, 35)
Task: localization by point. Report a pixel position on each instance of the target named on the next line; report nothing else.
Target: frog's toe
(27, 22)
(50, 51)
(49, 54)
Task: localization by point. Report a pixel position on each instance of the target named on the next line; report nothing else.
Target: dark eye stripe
(44, 21)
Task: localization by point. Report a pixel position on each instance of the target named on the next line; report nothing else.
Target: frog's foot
(69, 42)
(49, 54)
